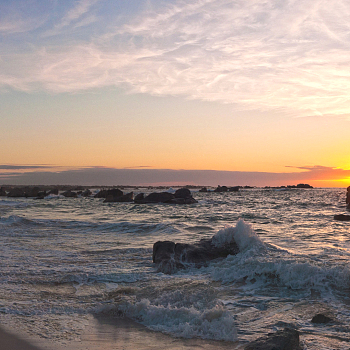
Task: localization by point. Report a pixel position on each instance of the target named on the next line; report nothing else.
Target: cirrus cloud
(265, 55)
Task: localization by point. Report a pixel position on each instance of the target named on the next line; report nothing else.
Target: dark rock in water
(31, 191)
(70, 194)
(115, 192)
(53, 191)
(221, 189)
(304, 186)
(16, 192)
(128, 197)
(24, 192)
(158, 197)
(2, 192)
(170, 256)
(41, 195)
(342, 217)
(86, 193)
(233, 189)
(320, 318)
(348, 197)
(139, 197)
(287, 339)
(181, 196)
(183, 193)
(203, 189)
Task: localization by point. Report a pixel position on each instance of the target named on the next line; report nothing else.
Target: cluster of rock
(181, 196)
(170, 257)
(290, 186)
(28, 191)
(115, 195)
(223, 189)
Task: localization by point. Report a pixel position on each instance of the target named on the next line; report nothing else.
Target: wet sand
(113, 333)
(9, 341)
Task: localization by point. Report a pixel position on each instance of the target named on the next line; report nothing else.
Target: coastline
(113, 333)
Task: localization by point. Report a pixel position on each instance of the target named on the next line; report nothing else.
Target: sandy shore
(111, 333)
(9, 341)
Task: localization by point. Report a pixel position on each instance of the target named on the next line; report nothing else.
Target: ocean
(67, 261)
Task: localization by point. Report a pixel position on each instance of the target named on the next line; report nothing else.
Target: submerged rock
(320, 318)
(287, 339)
(170, 256)
(342, 217)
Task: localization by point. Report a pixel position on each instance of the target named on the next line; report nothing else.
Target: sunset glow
(231, 86)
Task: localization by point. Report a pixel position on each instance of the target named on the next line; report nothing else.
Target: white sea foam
(281, 269)
(243, 234)
(187, 322)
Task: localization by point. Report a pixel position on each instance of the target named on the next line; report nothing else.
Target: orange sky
(250, 87)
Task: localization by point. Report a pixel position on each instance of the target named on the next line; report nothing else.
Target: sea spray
(187, 322)
(243, 234)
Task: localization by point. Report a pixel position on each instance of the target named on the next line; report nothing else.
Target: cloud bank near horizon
(270, 55)
(101, 176)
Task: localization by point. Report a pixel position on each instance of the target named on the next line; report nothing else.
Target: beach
(109, 333)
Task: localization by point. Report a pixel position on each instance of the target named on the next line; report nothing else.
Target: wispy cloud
(80, 9)
(20, 17)
(290, 56)
(315, 175)
(23, 167)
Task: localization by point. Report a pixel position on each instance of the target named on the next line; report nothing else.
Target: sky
(201, 92)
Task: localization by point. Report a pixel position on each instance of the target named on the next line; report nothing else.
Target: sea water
(65, 259)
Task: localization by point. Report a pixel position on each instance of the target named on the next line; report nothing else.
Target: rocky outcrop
(17, 192)
(287, 339)
(53, 191)
(86, 193)
(115, 192)
(304, 186)
(41, 195)
(221, 189)
(203, 189)
(70, 194)
(181, 196)
(342, 217)
(233, 189)
(348, 197)
(170, 256)
(128, 197)
(2, 192)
